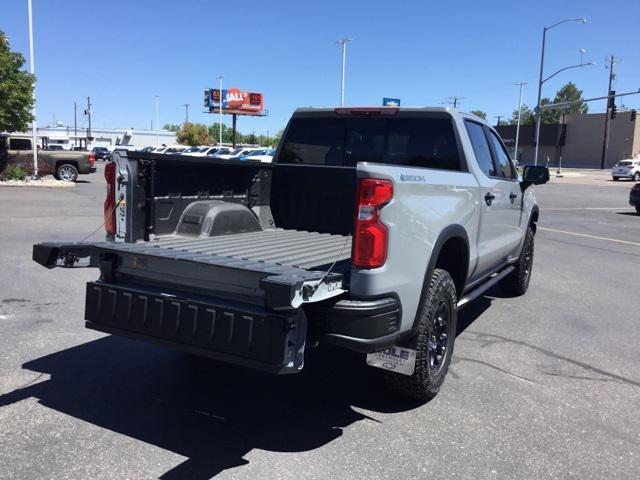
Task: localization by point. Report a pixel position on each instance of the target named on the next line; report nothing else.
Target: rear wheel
(67, 173)
(517, 282)
(615, 179)
(638, 209)
(434, 343)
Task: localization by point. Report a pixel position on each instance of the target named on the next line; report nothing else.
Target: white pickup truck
(369, 230)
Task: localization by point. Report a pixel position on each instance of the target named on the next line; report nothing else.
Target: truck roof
(322, 111)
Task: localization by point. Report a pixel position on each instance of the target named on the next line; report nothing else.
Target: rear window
(414, 142)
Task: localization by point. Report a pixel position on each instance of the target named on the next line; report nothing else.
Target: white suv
(626, 169)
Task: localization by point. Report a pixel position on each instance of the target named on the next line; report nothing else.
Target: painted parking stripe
(567, 209)
(595, 237)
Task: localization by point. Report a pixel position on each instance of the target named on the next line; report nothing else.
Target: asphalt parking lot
(542, 386)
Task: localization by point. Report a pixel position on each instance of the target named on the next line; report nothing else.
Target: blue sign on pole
(390, 102)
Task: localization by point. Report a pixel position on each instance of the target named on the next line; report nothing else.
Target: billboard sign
(234, 100)
(390, 102)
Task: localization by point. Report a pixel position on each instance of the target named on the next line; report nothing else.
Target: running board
(495, 278)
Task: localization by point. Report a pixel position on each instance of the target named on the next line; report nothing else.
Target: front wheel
(638, 209)
(517, 282)
(67, 173)
(636, 177)
(615, 179)
(434, 342)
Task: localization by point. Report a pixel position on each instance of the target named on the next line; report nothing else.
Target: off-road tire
(517, 282)
(428, 377)
(67, 172)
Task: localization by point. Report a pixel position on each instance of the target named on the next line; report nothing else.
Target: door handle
(513, 196)
(489, 198)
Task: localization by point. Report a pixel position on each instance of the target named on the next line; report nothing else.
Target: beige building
(578, 141)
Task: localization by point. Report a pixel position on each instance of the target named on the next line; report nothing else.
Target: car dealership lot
(542, 386)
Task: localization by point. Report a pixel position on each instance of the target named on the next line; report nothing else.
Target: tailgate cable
(120, 200)
(69, 260)
(310, 290)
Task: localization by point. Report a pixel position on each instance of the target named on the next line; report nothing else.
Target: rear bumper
(240, 334)
(360, 325)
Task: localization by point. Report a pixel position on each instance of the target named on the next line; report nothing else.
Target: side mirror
(534, 175)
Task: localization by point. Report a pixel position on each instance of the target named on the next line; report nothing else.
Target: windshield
(256, 152)
(426, 141)
(624, 163)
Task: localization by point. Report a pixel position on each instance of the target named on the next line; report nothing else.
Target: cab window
(503, 162)
(19, 144)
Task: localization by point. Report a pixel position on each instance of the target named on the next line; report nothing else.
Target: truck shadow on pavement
(209, 412)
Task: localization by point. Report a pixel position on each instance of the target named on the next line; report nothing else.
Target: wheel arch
(450, 252)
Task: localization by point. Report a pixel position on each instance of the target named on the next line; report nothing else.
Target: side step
(495, 278)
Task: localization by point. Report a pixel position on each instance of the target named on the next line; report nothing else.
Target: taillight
(370, 235)
(110, 200)
(91, 158)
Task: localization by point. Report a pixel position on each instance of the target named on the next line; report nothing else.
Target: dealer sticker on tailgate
(395, 359)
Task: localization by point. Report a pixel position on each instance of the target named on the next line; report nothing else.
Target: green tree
(526, 116)
(548, 116)
(570, 93)
(16, 89)
(193, 134)
(172, 127)
(479, 113)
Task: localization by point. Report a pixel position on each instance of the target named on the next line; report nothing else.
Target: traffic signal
(613, 111)
(611, 100)
(633, 115)
(207, 98)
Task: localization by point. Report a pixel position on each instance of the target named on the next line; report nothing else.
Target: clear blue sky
(122, 53)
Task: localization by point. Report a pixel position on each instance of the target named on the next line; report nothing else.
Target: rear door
(494, 203)
(509, 185)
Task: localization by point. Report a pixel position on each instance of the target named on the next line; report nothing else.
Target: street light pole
(515, 152)
(186, 107)
(157, 123)
(220, 109)
(343, 42)
(34, 127)
(540, 81)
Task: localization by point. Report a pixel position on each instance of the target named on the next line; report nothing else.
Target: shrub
(13, 172)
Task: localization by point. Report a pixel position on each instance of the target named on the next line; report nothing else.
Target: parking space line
(615, 240)
(561, 209)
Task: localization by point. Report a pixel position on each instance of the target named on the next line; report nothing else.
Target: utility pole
(75, 124)
(498, 117)
(605, 142)
(343, 42)
(186, 106)
(157, 123)
(32, 68)
(455, 100)
(515, 152)
(87, 112)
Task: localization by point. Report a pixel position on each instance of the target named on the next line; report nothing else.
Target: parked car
(101, 153)
(161, 149)
(55, 147)
(234, 154)
(262, 155)
(634, 197)
(629, 168)
(176, 149)
(369, 231)
(64, 165)
(147, 149)
(203, 152)
(190, 150)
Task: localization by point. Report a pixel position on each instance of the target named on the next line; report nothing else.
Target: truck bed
(306, 250)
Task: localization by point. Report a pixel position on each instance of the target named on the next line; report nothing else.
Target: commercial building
(578, 140)
(106, 137)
